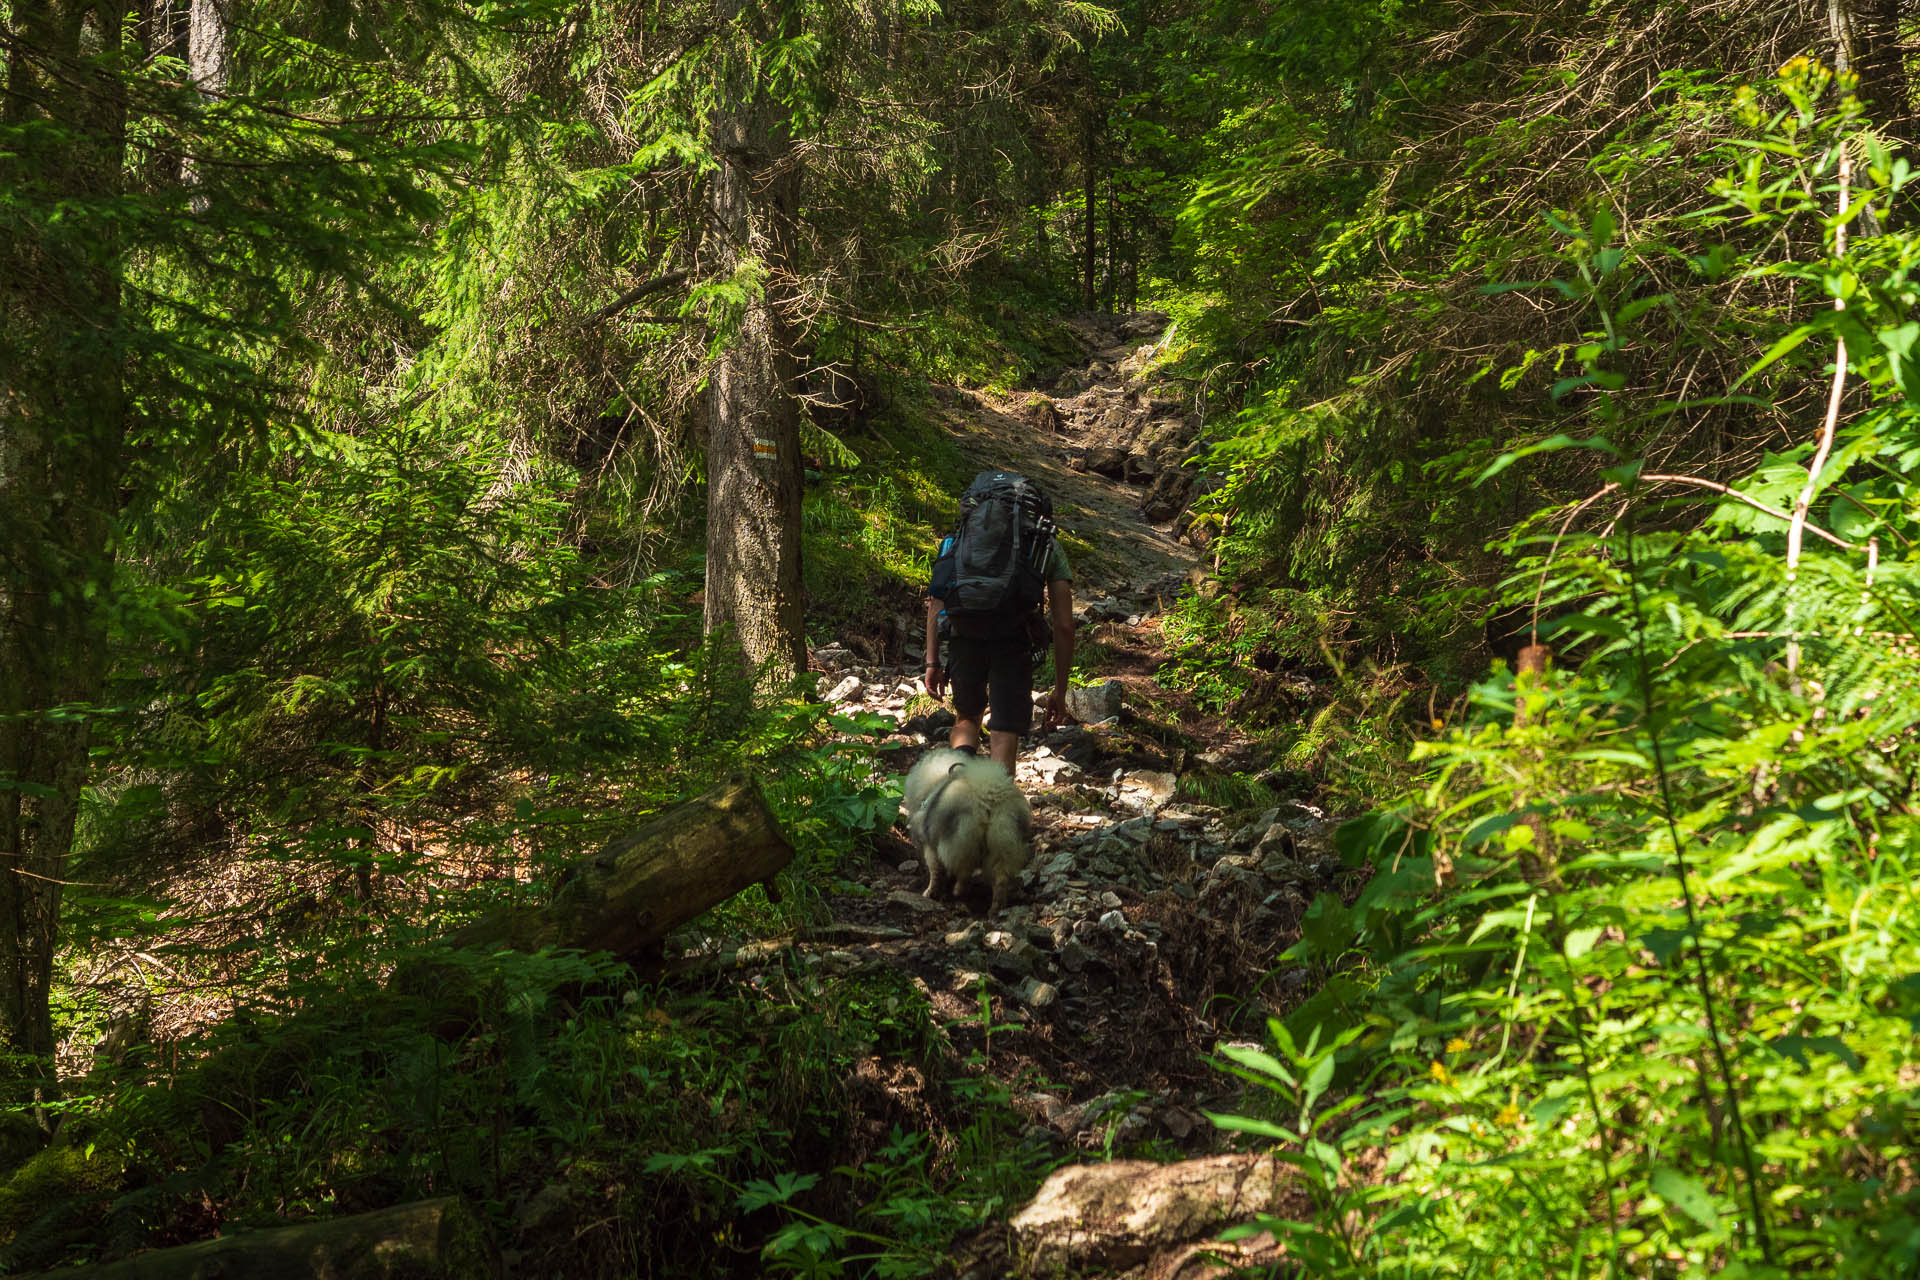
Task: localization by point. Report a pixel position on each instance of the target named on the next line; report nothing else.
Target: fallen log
(622, 900)
(639, 888)
(421, 1241)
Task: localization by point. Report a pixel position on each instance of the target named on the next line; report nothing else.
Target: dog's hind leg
(939, 884)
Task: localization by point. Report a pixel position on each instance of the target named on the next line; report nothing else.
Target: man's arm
(1060, 614)
(936, 674)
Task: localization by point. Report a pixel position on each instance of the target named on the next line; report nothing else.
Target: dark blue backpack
(992, 573)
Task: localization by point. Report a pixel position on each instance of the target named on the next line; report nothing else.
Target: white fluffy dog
(966, 816)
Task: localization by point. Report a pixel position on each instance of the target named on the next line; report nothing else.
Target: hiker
(990, 578)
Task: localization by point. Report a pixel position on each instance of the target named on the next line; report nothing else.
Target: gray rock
(1096, 703)
(1040, 935)
(846, 690)
(912, 864)
(1277, 848)
(930, 724)
(1011, 966)
(1051, 1109)
(1147, 788)
(1250, 835)
(913, 902)
(832, 657)
(1114, 921)
(1073, 955)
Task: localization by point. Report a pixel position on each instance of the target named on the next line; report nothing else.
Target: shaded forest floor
(915, 1068)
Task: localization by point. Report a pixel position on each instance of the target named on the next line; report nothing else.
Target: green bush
(1635, 967)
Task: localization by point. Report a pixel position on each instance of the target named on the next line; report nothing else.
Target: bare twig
(645, 289)
(1832, 420)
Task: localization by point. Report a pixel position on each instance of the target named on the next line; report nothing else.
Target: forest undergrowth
(1631, 969)
(361, 591)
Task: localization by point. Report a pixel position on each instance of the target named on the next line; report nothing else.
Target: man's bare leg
(1003, 747)
(965, 735)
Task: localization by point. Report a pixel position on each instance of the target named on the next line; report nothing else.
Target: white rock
(1155, 783)
(1036, 994)
(846, 690)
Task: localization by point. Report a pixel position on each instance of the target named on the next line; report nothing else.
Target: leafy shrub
(1636, 963)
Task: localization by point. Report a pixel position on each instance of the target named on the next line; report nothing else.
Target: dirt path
(1104, 415)
(1150, 922)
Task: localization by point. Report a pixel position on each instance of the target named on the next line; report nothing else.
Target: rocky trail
(1149, 923)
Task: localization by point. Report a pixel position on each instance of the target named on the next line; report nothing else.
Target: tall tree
(127, 320)
(62, 435)
(753, 419)
(209, 33)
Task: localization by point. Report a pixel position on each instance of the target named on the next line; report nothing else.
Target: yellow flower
(1439, 1072)
(1456, 1045)
(1509, 1116)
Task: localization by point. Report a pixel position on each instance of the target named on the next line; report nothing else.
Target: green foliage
(1633, 960)
(52, 1201)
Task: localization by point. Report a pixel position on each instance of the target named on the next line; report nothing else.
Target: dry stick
(1667, 478)
(1832, 420)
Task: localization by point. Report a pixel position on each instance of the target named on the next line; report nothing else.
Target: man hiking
(990, 579)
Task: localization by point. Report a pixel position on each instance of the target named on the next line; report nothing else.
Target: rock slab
(1129, 1212)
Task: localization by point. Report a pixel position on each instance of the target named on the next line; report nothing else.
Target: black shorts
(992, 672)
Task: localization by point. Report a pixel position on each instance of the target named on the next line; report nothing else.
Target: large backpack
(992, 574)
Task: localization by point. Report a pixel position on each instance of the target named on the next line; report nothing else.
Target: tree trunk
(208, 26)
(1866, 36)
(1113, 235)
(62, 428)
(753, 427)
(1091, 180)
(431, 1238)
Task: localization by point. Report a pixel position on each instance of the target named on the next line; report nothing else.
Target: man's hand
(936, 680)
(1056, 712)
